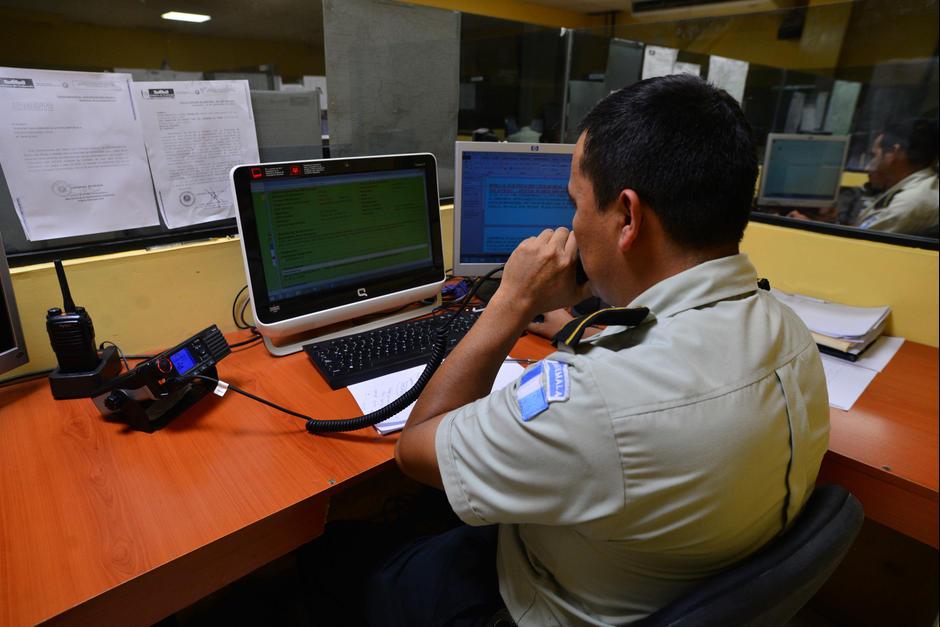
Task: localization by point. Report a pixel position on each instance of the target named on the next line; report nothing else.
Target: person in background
(903, 172)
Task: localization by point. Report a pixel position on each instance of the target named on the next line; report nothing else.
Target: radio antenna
(67, 303)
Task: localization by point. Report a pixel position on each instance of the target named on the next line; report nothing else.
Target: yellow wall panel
(853, 272)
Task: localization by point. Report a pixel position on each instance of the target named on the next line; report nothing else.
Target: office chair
(769, 587)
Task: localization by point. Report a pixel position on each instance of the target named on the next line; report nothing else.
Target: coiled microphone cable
(439, 348)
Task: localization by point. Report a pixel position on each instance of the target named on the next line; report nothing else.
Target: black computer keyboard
(371, 354)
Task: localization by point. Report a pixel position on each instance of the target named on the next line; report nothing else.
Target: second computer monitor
(12, 347)
(504, 193)
(802, 170)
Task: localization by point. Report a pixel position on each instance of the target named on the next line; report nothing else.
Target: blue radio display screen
(183, 361)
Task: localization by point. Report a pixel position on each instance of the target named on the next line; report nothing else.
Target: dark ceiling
(283, 20)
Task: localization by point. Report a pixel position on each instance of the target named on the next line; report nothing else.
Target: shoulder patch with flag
(546, 383)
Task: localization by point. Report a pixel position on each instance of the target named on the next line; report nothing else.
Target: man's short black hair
(687, 150)
(917, 137)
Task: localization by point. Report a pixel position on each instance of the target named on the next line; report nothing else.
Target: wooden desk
(885, 449)
(100, 525)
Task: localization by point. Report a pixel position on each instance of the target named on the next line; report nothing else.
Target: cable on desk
(238, 390)
(252, 340)
(119, 352)
(315, 425)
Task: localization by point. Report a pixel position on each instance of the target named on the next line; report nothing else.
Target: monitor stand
(294, 343)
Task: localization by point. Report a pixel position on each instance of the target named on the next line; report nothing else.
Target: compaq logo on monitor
(23, 83)
(361, 292)
(164, 92)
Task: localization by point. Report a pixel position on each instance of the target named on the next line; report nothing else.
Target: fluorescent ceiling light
(185, 17)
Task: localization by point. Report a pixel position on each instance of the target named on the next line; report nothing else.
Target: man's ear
(629, 207)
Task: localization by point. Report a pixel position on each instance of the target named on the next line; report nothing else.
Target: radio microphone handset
(438, 350)
(437, 357)
(580, 276)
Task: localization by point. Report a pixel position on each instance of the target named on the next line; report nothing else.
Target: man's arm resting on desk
(540, 276)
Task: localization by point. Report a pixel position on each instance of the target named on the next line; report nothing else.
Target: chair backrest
(770, 586)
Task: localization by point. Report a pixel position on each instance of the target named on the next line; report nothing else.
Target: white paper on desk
(880, 353)
(845, 381)
(728, 74)
(658, 61)
(379, 392)
(833, 319)
(195, 132)
(73, 153)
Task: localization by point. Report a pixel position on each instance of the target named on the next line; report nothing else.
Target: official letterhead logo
(162, 92)
(22, 83)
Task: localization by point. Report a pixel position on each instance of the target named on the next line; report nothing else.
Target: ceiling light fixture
(185, 17)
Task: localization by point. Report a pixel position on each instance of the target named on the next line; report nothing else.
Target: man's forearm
(471, 368)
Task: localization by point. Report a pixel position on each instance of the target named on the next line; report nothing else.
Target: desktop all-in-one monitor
(331, 240)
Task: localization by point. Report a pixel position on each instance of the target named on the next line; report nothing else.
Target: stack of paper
(379, 392)
(848, 330)
(845, 332)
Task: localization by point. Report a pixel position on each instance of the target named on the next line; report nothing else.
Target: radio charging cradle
(159, 389)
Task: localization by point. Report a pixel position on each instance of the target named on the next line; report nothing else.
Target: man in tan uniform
(904, 166)
(625, 468)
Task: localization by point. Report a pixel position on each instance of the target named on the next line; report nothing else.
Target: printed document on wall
(728, 74)
(658, 61)
(73, 153)
(195, 132)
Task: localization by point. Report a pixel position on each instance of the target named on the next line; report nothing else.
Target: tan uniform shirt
(666, 457)
(911, 207)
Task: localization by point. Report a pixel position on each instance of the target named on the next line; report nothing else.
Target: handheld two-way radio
(71, 332)
(81, 369)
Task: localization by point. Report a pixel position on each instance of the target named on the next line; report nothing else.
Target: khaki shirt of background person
(911, 207)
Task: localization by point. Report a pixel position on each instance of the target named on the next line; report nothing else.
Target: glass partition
(863, 70)
(862, 73)
(511, 80)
